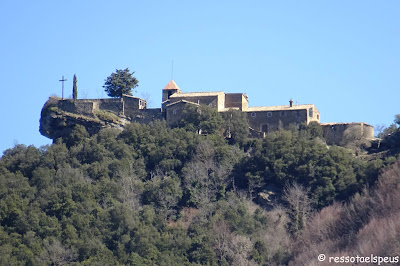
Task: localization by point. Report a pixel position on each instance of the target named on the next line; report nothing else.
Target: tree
(200, 119)
(298, 206)
(236, 126)
(121, 82)
(395, 126)
(397, 119)
(75, 89)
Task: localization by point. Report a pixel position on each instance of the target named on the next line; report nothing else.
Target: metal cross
(62, 80)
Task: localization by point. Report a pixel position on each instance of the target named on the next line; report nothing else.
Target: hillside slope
(150, 194)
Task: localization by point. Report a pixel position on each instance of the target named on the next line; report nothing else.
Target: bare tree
(230, 247)
(203, 175)
(163, 191)
(54, 253)
(132, 189)
(146, 96)
(298, 206)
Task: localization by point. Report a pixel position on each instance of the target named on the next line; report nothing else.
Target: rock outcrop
(56, 123)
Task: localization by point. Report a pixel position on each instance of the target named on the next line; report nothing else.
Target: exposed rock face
(56, 123)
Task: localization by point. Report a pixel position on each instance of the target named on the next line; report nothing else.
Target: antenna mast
(172, 70)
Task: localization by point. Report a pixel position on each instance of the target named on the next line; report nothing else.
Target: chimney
(291, 103)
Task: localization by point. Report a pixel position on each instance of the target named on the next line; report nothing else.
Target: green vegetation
(75, 88)
(120, 82)
(287, 157)
(394, 127)
(106, 116)
(203, 119)
(153, 195)
(50, 105)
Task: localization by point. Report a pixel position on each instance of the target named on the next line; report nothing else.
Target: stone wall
(145, 116)
(112, 105)
(261, 119)
(132, 104)
(88, 106)
(339, 133)
(174, 111)
(211, 101)
(267, 121)
(221, 102)
(313, 115)
(236, 100)
(77, 107)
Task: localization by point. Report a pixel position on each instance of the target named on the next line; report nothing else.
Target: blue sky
(342, 56)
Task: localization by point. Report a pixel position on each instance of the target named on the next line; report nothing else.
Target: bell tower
(170, 89)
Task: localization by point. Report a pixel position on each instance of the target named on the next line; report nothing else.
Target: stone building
(272, 118)
(219, 100)
(127, 106)
(261, 119)
(341, 133)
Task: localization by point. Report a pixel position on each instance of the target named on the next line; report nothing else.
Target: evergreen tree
(121, 82)
(75, 89)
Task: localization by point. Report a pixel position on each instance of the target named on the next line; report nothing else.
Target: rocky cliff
(56, 123)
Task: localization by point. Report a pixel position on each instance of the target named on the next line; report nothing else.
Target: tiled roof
(196, 94)
(340, 123)
(279, 108)
(171, 86)
(130, 96)
(181, 101)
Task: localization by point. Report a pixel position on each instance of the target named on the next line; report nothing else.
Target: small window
(283, 113)
(310, 112)
(269, 114)
(298, 113)
(174, 112)
(264, 128)
(253, 114)
(318, 117)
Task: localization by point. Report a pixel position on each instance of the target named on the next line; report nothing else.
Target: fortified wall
(261, 119)
(88, 107)
(126, 106)
(340, 133)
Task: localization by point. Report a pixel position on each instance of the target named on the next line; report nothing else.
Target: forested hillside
(152, 195)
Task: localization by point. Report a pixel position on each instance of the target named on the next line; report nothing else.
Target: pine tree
(120, 82)
(75, 89)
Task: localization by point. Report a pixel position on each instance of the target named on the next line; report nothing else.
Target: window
(264, 128)
(174, 112)
(269, 114)
(253, 114)
(283, 113)
(310, 112)
(318, 117)
(298, 113)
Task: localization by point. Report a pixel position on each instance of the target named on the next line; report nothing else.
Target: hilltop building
(261, 119)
